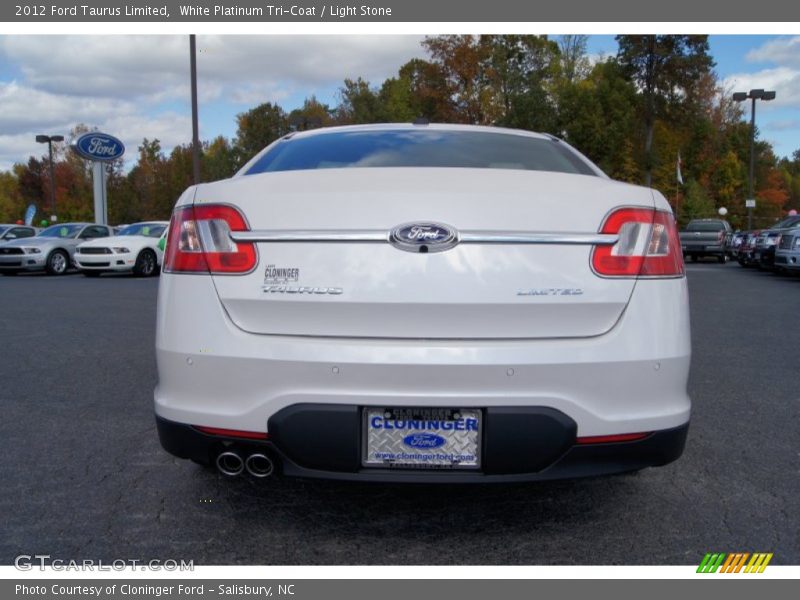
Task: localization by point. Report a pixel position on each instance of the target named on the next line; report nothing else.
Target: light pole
(49, 139)
(195, 128)
(741, 97)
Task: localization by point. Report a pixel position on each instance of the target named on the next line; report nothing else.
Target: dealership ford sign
(98, 146)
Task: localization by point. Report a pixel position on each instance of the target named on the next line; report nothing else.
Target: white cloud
(138, 86)
(156, 68)
(785, 81)
(783, 51)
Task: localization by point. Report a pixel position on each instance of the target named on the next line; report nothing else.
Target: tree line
(632, 113)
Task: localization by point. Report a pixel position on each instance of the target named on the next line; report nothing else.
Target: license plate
(422, 438)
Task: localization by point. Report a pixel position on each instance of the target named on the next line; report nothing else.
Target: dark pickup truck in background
(706, 237)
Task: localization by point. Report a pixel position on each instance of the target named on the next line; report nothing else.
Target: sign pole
(100, 197)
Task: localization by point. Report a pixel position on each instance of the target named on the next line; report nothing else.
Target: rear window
(409, 148)
(707, 226)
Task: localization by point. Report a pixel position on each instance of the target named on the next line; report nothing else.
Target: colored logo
(734, 562)
(98, 146)
(424, 440)
(423, 237)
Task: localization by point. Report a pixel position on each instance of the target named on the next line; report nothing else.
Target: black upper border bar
(451, 11)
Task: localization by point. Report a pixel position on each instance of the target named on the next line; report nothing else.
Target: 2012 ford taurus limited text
(423, 303)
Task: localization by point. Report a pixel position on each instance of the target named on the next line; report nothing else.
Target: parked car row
(776, 248)
(91, 248)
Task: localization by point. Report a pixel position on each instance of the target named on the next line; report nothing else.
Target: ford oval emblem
(423, 237)
(98, 146)
(424, 440)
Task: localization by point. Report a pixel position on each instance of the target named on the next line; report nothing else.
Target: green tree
(219, 159)
(597, 116)
(12, 205)
(523, 72)
(311, 115)
(257, 128)
(359, 103)
(574, 62)
(665, 68)
(696, 204)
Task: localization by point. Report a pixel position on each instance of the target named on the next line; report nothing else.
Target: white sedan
(417, 303)
(137, 248)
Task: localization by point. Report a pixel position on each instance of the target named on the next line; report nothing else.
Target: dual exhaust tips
(258, 465)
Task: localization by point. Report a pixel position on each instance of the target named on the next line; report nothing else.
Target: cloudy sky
(138, 86)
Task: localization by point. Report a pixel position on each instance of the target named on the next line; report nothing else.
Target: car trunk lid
(363, 286)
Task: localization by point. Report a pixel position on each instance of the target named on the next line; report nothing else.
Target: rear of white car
(433, 310)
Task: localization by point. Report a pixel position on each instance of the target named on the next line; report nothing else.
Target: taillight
(199, 241)
(648, 245)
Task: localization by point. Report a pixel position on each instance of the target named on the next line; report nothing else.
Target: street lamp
(49, 139)
(741, 97)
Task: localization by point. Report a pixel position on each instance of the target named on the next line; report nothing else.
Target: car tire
(11, 273)
(146, 264)
(91, 273)
(722, 259)
(57, 263)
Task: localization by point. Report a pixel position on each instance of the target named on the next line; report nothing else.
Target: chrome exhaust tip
(230, 464)
(259, 465)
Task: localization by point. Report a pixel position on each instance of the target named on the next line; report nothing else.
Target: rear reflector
(648, 245)
(611, 439)
(199, 241)
(234, 433)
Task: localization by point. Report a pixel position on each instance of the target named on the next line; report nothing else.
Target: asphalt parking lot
(84, 477)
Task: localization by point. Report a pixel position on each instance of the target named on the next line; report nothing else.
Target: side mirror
(10, 236)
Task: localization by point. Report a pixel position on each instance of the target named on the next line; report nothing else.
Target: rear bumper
(520, 444)
(702, 249)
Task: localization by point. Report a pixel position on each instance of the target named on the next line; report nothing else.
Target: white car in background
(417, 303)
(137, 248)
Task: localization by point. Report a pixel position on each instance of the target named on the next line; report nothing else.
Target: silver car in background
(9, 232)
(787, 251)
(52, 250)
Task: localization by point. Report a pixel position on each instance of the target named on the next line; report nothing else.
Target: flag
(678, 170)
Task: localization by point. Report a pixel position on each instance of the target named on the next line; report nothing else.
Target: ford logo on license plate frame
(422, 438)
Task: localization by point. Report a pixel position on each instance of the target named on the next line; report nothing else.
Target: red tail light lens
(612, 439)
(248, 435)
(648, 245)
(199, 241)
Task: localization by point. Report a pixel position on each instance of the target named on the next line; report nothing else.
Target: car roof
(413, 127)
